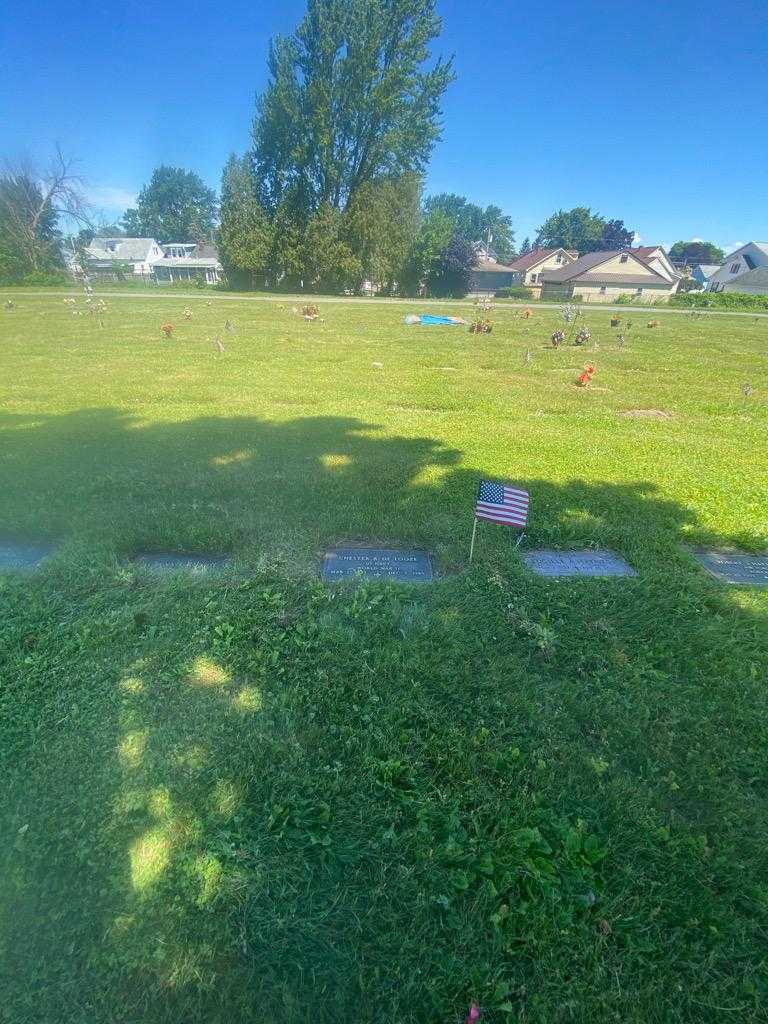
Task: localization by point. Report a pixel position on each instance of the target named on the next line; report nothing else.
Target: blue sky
(653, 112)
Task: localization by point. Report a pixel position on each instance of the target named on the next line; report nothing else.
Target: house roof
(125, 248)
(586, 269)
(646, 251)
(757, 278)
(760, 245)
(491, 267)
(707, 268)
(535, 256)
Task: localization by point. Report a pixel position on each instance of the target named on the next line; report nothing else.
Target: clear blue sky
(654, 112)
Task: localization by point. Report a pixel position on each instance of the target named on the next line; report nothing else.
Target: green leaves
(175, 206)
(349, 101)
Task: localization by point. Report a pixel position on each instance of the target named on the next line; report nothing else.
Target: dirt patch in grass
(647, 414)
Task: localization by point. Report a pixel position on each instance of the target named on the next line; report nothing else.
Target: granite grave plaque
(22, 557)
(377, 563)
(735, 567)
(165, 562)
(577, 563)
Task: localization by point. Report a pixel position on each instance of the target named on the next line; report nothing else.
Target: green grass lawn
(256, 798)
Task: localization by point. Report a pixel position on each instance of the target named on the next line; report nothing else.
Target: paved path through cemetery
(18, 294)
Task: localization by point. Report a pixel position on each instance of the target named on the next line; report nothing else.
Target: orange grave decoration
(585, 377)
(167, 330)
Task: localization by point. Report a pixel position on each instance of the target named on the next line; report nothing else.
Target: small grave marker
(406, 566)
(577, 563)
(22, 557)
(735, 567)
(199, 565)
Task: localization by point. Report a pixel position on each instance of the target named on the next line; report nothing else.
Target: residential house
(748, 257)
(656, 257)
(147, 258)
(488, 275)
(105, 257)
(187, 261)
(528, 269)
(604, 276)
(754, 282)
(703, 272)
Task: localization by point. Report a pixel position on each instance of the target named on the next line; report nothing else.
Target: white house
(751, 256)
(141, 253)
(147, 258)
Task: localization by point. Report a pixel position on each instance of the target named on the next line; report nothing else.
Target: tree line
(329, 193)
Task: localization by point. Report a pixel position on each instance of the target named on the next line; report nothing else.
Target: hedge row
(720, 300)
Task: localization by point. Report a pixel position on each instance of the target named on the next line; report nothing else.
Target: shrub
(515, 291)
(39, 278)
(624, 299)
(720, 300)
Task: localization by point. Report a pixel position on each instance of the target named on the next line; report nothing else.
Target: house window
(558, 258)
(749, 261)
(638, 291)
(624, 258)
(734, 268)
(602, 289)
(533, 279)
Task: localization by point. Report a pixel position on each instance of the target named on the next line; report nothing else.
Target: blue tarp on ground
(428, 320)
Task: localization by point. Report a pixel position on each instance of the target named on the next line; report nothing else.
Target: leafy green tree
(474, 223)
(32, 199)
(382, 221)
(526, 247)
(329, 263)
(697, 252)
(616, 236)
(433, 237)
(29, 240)
(245, 235)
(176, 206)
(349, 101)
(450, 274)
(579, 229)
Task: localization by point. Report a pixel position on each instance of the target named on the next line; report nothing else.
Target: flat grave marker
(735, 566)
(166, 562)
(405, 566)
(547, 562)
(22, 557)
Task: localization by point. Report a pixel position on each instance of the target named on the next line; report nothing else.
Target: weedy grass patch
(253, 796)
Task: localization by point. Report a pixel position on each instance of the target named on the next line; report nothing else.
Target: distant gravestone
(201, 565)
(22, 557)
(735, 567)
(377, 563)
(577, 563)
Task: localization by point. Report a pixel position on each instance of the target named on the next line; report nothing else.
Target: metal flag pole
(472, 544)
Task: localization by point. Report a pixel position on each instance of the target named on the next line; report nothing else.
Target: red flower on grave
(167, 330)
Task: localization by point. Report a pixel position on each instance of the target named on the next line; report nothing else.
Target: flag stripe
(498, 503)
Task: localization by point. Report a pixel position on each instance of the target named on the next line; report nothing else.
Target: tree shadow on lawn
(272, 798)
(281, 491)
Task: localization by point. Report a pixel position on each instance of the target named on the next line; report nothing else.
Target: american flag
(501, 504)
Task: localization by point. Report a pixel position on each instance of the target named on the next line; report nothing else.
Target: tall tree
(615, 236)
(245, 233)
(526, 247)
(579, 229)
(31, 201)
(450, 274)
(474, 223)
(381, 224)
(329, 265)
(433, 237)
(176, 206)
(349, 100)
(697, 252)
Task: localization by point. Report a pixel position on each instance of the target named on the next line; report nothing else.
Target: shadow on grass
(280, 491)
(279, 800)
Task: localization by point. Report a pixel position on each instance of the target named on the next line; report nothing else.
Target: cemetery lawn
(253, 797)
